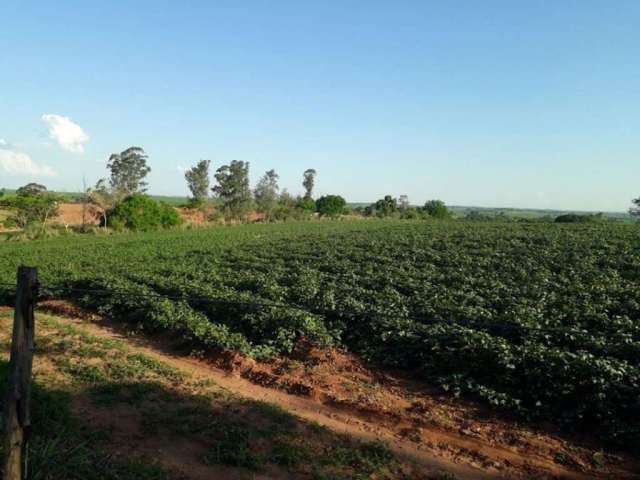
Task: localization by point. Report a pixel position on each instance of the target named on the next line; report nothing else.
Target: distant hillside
(462, 210)
(531, 212)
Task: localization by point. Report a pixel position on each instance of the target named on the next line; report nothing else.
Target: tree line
(121, 202)
(233, 191)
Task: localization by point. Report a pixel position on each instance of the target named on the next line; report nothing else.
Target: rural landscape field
(337, 240)
(536, 321)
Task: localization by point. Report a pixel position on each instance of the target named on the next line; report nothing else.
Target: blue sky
(494, 103)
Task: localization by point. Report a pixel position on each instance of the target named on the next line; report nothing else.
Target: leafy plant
(436, 209)
(140, 212)
(330, 205)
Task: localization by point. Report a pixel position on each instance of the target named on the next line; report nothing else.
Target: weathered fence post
(17, 420)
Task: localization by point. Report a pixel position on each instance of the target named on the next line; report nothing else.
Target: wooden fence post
(17, 420)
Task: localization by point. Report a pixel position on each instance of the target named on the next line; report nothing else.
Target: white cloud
(181, 169)
(3, 142)
(18, 163)
(65, 132)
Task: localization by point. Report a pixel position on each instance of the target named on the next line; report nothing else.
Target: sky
(532, 104)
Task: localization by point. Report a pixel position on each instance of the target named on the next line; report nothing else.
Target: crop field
(540, 319)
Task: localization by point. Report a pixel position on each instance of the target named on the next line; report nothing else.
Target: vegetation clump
(233, 189)
(197, 178)
(436, 209)
(32, 206)
(385, 207)
(577, 218)
(331, 205)
(140, 212)
(266, 194)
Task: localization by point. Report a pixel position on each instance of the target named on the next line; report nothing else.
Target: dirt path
(411, 428)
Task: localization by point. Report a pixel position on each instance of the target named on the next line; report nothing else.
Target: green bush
(32, 206)
(385, 207)
(410, 214)
(10, 223)
(330, 205)
(576, 218)
(436, 209)
(308, 204)
(141, 212)
(286, 212)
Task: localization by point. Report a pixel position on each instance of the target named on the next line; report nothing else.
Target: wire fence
(495, 327)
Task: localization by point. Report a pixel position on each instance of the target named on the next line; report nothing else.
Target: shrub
(31, 206)
(287, 212)
(10, 222)
(436, 209)
(216, 216)
(575, 218)
(141, 212)
(410, 214)
(305, 203)
(31, 189)
(385, 207)
(478, 216)
(330, 205)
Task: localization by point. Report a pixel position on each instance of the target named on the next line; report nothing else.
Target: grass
(74, 366)
(62, 448)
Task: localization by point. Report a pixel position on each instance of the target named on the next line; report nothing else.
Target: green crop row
(543, 319)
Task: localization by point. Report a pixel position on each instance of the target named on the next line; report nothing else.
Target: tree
(266, 193)
(31, 189)
(436, 209)
(233, 188)
(33, 204)
(330, 205)
(635, 210)
(403, 202)
(308, 182)
(385, 207)
(105, 198)
(198, 180)
(128, 170)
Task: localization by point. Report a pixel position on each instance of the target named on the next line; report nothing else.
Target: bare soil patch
(71, 214)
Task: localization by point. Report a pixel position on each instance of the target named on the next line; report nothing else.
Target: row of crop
(541, 319)
(578, 388)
